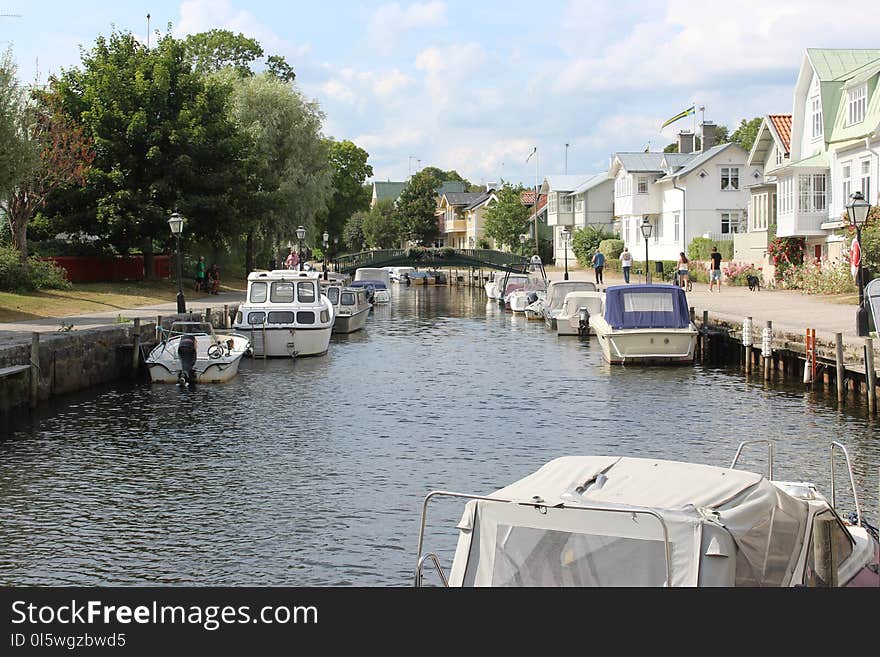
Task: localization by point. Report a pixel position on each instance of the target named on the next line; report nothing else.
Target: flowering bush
(816, 278)
(698, 272)
(786, 252)
(737, 273)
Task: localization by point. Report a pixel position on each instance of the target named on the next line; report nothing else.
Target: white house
(577, 201)
(684, 195)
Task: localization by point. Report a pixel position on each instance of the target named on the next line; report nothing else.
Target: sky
(475, 86)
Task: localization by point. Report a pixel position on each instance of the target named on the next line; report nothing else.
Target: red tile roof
(527, 198)
(782, 124)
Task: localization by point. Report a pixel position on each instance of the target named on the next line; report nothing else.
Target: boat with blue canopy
(645, 323)
(377, 291)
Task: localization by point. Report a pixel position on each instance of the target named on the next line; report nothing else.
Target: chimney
(491, 186)
(708, 136)
(685, 141)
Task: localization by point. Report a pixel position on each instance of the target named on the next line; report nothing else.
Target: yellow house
(475, 219)
(452, 211)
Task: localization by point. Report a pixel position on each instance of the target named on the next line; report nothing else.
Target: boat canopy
(376, 285)
(620, 521)
(646, 306)
(558, 289)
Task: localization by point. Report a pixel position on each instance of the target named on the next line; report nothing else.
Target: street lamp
(858, 214)
(646, 227)
(566, 238)
(522, 240)
(326, 237)
(175, 223)
(300, 236)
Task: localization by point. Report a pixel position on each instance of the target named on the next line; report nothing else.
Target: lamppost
(300, 236)
(858, 209)
(522, 241)
(336, 251)
(175, 222)
(326, 237)
(566, 238)
(646, 227)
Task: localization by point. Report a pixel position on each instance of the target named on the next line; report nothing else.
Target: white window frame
(818, 128)
(733, 218)
(785, 197)
(865, 166)
(856, 104)
(579, 203)
(565, 204)
(732, 175)
(846, 181)
(551, 203)
(779, 156)
(643, 185)
(658, 230)
(812, 192)
(676, 226)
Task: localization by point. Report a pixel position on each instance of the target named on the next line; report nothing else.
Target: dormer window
(857, 104)
(643, 185)
(817, 118)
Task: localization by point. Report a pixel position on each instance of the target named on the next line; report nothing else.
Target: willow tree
(288, 176)
(18, 156)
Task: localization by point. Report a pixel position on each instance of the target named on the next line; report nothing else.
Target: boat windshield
(333, 295)
(191, 328)
(347, 298)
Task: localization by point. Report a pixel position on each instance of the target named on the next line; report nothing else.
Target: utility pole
(566, 159)
(148, 31)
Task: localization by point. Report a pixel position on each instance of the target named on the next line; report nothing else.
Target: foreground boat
(285, 315)
(192, 353)
(645, 324)
(622, 521)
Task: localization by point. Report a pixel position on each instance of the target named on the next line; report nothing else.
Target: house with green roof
(835, 147)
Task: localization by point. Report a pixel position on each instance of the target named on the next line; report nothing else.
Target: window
(811, 192)
(658, 230)
(305, 317)
(643, 185)
(258, 292)
(786, 187)
(760, 211)
(256, 318)
(857, 104)
(281, 318)
(348, 299)
(579, 204)
(846, 176)
(306, 292)
(552, 202)
(565, 203)
(730, 222)
(866, 179)
(282, 292)
(779, 157)
(676, 226)
(817, 118)
(729, 178)
(622, 186)
(333, 295)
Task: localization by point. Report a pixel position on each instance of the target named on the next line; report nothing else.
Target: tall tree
(163, 142)
(350, 169)
(353, 235)
(18, 156)
(415, 209)
(66, 154)
(217, 49)
(507, 219)
(289, 179)
(746, 133)
(278, 67)
(442, 176)
(379, 227)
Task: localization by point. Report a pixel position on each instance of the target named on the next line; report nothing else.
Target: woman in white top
(683, 271)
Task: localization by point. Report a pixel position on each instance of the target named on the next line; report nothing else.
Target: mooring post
(136, 347)
(208, 316)
(158, 327)
(747, 342)
(870, 374)
(767, 348)
(693, 314)
(225, 315)
(704, 330)
(838, 357)
(35, 369)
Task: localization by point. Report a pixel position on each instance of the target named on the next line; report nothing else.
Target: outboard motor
(583, 322)
(186, 354)
(531, 298)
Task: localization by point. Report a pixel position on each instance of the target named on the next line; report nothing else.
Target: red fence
(94, 269)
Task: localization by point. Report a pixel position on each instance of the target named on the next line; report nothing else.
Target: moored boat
(556, 292)
(645, 324)
(350, 306)
(191, 353)
(569, 320)
(377, 291)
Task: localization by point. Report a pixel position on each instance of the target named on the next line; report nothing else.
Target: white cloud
(389, 23)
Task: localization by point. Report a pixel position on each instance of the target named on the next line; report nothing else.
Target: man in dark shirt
(715, 269)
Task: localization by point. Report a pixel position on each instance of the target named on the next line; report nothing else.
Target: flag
(690, 110)
(855, 257)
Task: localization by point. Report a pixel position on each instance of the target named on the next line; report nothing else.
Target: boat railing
(762, 441)
(852, 481)
(632, 511)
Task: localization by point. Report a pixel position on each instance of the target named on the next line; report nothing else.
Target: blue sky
(474, 86)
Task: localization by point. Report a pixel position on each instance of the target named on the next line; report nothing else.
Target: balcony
(456, 225)
(800, 224)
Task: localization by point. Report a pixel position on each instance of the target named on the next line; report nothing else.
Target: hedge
(700, 248)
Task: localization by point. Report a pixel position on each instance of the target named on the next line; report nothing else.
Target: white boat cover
(592, 301)
(617, 541)
(558, 289)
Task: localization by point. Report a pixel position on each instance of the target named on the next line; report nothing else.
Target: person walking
(715, 269)
(200, 274)
(292, 260)
(598, 263)
(626, 263)
(683, 280)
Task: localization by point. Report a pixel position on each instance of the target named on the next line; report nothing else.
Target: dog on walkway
(754, 283)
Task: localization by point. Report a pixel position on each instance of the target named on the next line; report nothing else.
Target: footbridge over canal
(433, 259)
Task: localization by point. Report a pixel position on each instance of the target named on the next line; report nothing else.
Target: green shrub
(737, 273)
(611, 248)
(700, 248)
(36, 275)
(484, 243)
(585, 242)
(812, 279)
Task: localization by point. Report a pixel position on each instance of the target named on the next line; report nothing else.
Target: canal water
(312, 472)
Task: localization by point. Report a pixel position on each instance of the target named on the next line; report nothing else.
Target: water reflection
(312, 472)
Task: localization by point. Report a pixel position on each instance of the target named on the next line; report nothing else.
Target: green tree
(414, 213)
(746, 133)
(278, 67)
(163, 142)
(353, 235)
(18, 156)
(585, 242)
(289, 179)
(217, 49)
(379, 227)
(350, 170)
(507, 219)
(442, 176)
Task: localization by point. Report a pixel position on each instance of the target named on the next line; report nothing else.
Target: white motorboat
(556, 292)
(192, 353)
(351, 308)
(577, 308)
(645, 324)
(534, 290)
(623, 521)
(285, 315)
(498, 282)
(399, 274)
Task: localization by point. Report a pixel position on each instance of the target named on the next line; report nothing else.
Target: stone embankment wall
(69, 362)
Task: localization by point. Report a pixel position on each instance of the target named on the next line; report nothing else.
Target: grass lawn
(96, 297)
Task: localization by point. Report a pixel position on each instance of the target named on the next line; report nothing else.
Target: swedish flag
(690, 110)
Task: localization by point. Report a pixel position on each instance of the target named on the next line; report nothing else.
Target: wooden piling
(767, 353)
(136, 347)
(208, 315)
(693, 314)
(35, 369)
(841, 374)
(870, 375)
(158, 327)
(226, 315)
